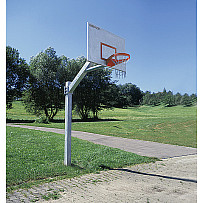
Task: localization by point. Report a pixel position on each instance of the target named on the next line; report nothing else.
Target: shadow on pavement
(155, 175)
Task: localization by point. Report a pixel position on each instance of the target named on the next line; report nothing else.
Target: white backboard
(101, 44)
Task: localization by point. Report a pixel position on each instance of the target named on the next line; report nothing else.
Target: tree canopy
(92, 94)
(16, 75)
(130, 93)
(45, 92)
(168, 99)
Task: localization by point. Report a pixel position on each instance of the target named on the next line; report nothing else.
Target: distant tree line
(168, 99)
(40, 85)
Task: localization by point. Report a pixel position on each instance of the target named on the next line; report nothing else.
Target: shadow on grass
(19, 121)
(62, 120)
(155, 175)
(77, 166)
(86, 120)
(105, 167)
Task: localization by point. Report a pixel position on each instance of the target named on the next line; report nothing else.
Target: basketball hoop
(106, 49)
(117, 58)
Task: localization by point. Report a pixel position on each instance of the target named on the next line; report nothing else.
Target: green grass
(171, 125)
(34, 157)
(18, 113)
(55, 195)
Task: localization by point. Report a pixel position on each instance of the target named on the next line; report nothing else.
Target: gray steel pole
(68, 120)
(69, 88)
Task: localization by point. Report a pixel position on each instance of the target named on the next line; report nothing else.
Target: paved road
(143, 148)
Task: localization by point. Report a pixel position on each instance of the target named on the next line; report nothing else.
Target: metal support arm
(94, 68)
(81, 74)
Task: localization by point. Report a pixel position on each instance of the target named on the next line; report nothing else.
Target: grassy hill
(171, 125)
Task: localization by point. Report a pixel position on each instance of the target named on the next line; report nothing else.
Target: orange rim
(112, 62)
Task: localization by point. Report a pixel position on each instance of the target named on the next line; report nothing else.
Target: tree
(186, 100)
(16, 75)
(93, 93)
(120, 100)
(48, 76)
(154, 99)
(169, 99)
(146, 98)
(178, 98)
(193, 98)
(131, 93)
(45, 91)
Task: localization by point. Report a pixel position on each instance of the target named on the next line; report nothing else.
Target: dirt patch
(171, 180)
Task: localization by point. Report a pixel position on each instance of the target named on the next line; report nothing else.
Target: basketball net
(118, 62)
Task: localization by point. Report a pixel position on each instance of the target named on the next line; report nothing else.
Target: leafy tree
(131, 93)
(48, 76)
(154, 100)
(169, 99)
(45, 92)
(94, 91)
(178, 98)
(151, 99)
(16, 75)
(114, 93)
(193, 98)
(186, 100)
(146, 98)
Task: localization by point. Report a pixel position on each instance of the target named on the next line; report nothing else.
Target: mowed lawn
(34, 157)
(171, 125)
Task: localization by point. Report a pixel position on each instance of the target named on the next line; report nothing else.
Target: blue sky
(160, 35)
